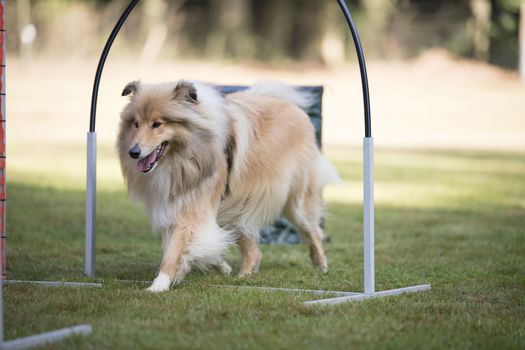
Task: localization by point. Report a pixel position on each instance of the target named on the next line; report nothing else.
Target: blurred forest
(272, 31)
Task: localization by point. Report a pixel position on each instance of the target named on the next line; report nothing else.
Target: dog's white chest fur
(154, 193)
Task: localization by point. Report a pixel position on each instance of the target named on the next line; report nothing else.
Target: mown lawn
(452, 219)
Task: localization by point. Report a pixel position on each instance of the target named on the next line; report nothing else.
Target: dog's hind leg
(250, 253)
(305, 213)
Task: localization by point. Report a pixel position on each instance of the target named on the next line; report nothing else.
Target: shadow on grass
(46, 241)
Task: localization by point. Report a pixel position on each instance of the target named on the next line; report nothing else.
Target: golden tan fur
(229, 165)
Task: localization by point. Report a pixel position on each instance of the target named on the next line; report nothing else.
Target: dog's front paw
(161, 283)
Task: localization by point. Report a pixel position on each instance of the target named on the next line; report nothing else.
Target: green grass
(452, 219)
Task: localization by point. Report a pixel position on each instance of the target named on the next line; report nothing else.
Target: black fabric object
(314, 111)
(282, 231)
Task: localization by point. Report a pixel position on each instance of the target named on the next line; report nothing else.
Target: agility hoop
(368, 181)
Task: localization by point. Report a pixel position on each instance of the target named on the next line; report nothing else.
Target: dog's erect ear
(185, 91)
(131, 88)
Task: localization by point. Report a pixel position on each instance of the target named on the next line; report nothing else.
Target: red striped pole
(38, 339)
(2, 140)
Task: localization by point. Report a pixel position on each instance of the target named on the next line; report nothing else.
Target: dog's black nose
(134, 151)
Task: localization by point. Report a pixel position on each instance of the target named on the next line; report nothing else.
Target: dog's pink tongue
(144, 163)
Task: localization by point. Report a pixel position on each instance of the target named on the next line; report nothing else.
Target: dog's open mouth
(149, 162)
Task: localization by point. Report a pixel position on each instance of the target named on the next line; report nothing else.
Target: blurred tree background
(274, 31)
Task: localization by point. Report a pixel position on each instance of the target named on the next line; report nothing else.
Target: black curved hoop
(362, 66)
(349, 20)
(102, 61)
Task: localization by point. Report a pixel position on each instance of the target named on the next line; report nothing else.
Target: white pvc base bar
(134, 281)
(342, 297)
(46, 338)
(363, 296)
(57, 284)
(267, 289)
(292, 290)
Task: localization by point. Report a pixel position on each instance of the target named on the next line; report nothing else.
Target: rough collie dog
(212, 169)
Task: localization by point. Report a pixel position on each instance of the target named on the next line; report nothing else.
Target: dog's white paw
(161, 283)
(324, 267)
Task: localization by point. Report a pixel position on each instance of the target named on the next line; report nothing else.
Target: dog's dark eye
(155, 125)
(136, 124)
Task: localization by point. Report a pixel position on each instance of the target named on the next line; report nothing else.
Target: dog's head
(158, 120)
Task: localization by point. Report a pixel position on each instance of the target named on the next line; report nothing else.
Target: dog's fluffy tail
(302, 99)
(327, 172)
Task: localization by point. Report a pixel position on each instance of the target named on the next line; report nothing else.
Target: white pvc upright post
(368, 214)
(521, 40)
(91, 204)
